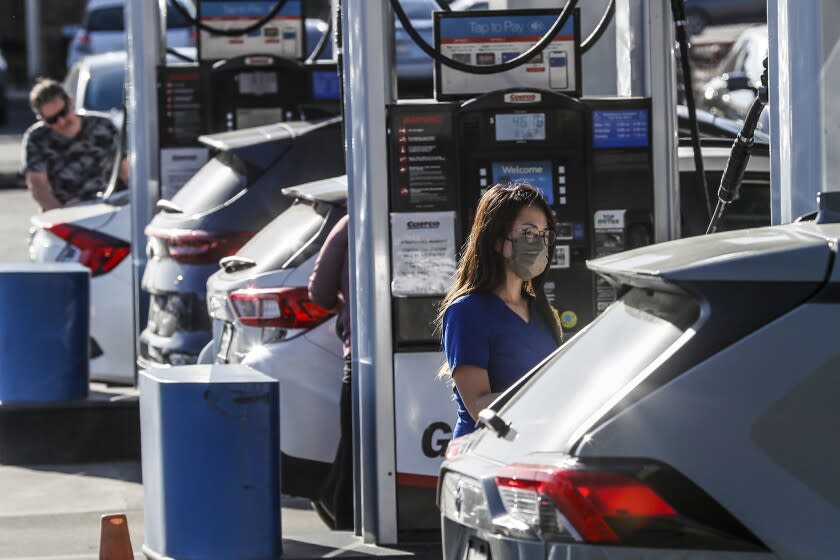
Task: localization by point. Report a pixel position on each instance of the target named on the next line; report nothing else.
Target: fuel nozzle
(739, 157)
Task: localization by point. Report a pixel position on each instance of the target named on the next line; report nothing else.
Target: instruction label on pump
(610, 238)
(282, 36)
(422, 253)
(492, 38)
(177, 166)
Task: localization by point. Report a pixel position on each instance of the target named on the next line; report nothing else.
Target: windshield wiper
(168, 206)
(234, 263)
(491, 420)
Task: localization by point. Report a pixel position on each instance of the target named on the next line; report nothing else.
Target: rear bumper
(182, 348)
(457, 537)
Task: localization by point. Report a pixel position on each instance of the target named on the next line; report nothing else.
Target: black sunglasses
(54, 118)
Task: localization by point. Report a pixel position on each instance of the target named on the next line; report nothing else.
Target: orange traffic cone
(114, 541)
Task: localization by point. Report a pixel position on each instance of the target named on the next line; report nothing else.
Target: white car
(263, 318)
(97, 233)
(103, 29)
(94, 233)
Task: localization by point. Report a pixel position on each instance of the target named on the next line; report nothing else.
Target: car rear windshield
(112, 19)
(219, 180)
(591, 372)
(292, 237)
(105, 89)
(105, 19)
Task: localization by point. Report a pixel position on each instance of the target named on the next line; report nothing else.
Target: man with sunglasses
(69, 157)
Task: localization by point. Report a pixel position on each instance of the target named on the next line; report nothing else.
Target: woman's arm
(473, 384)
(325, 280)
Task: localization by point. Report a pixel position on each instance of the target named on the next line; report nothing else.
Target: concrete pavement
(52, 512)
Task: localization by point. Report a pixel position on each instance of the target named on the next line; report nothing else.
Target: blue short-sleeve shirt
(481, 330)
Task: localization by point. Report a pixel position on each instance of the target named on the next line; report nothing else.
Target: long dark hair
(482, 266)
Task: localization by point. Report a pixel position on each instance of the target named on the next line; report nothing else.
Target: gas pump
(591, 157)
(253, 64)
(250, 72)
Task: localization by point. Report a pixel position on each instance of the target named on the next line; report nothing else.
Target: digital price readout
(515, 127)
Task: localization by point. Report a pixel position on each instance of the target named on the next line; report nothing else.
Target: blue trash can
(210, 443)
(44, 331)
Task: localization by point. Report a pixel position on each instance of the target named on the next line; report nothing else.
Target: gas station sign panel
(282, 36)
(491, 38)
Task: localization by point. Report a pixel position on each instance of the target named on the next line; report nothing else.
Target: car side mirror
(737, 80)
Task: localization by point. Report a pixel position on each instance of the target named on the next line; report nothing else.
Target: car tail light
(576, 503)
(588, 500)
(193, 246)
(99, 252)
(286, 308)
(83, 45)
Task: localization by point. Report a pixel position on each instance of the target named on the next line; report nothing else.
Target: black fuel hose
(229, 32)
(678, 10)
(599, 30)
(179, 55)
(739, 157)
(322, 44)
(523, 58)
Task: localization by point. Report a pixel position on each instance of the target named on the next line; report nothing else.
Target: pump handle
(739, 157)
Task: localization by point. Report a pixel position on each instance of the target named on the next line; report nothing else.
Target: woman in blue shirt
(496, 320)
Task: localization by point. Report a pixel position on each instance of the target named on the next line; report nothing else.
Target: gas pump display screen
(488, 38)
(520, 126)
(325, 86)
(536, 173)
(620, 128)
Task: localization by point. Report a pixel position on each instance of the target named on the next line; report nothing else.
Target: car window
(750, 209)
(730, 61)
(580, 382)
(292, 237)
(215, 183)
(175, 19)
(754, 61)
(105, 19)
(105, 89)
(421, 10)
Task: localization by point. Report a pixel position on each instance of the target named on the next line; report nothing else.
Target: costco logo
(423, 225)
(523, 97)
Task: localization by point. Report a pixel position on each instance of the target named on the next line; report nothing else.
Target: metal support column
(804, 79)
(663, 92)
(34, 39)
(631, 40)
(647, 67)
(144, 54)
(367, 29)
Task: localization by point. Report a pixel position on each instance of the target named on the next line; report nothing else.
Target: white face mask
(528, 259)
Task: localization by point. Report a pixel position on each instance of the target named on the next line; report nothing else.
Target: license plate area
(477, 549)
(224, 343)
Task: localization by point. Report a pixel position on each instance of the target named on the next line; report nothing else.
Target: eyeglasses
(530, 235)
(54, 118)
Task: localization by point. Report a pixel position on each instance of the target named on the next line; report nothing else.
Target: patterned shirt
(77, 167)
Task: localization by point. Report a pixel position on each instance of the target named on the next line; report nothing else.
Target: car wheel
(696, 22)
(324, 513)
